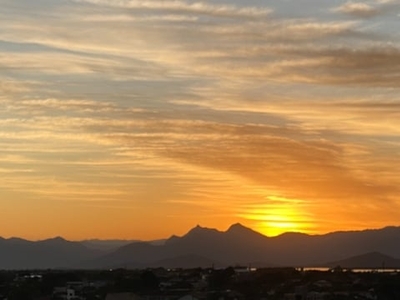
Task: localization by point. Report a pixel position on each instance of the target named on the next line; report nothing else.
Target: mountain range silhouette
(206, 247)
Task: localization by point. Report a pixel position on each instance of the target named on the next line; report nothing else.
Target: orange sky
(141, 119)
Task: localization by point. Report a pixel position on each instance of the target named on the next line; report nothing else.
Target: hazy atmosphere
(142, 118)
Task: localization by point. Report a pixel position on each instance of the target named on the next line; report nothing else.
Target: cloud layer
(277, 116)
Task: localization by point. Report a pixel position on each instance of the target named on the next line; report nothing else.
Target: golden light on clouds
(279, 215)
(141, 119)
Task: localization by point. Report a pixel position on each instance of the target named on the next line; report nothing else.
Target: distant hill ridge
(202, 246)
(371, 260)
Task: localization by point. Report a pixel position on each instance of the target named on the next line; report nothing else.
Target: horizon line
(192, 228)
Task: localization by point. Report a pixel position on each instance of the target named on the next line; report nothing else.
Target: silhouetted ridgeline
(372, 260)
(203, 247)
(52, 253)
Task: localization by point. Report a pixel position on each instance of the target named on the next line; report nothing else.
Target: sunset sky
(142, 118)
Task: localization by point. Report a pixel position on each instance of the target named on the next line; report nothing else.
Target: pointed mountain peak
(239, 231)
(173, 238)
(57, 239)
(201, 230)
(194, 233)
(198, 227)
(238, 227)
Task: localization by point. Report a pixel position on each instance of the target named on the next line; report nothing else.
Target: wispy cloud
(358, 9)
(186, 7)
(180, 108)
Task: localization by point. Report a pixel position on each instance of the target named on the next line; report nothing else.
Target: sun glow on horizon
(280, 215)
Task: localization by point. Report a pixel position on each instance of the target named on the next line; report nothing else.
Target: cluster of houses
(215, 284)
